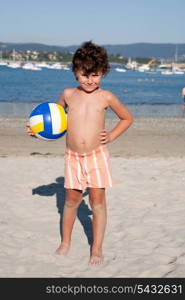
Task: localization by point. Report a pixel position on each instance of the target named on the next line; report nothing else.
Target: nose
(90, 80)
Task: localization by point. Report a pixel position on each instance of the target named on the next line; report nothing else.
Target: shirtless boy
(183, 96)
(87, 156)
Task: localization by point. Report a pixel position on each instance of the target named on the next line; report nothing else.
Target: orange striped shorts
(90, 169)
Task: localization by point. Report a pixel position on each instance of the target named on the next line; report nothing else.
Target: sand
(146, 225)
(154, 137)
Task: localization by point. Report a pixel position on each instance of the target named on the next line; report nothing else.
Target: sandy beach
(146, 208)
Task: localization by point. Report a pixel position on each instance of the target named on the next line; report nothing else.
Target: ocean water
(145, 94)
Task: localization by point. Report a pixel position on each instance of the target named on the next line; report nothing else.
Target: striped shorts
(90, 169)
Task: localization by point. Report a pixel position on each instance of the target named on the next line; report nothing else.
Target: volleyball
(48, 121)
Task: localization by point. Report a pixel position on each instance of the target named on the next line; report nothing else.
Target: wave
(19, 101)
(126, 103)
(151, 103)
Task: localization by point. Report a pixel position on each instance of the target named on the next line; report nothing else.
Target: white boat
(173, 71)
(42, 64)
(14, 65)
(65, 68)
(143, 68)
(3, 63)
(56, 66)
(120, 70)
(30, 66)
(174, 67)
(167, 72)
(177, 70)
(131, 65)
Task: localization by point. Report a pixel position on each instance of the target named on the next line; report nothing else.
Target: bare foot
(96, 259)
(62, 249)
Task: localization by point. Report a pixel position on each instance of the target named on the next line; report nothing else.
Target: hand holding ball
(48, 121)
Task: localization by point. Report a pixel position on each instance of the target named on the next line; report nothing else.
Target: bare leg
(98, 205)
(73, 199)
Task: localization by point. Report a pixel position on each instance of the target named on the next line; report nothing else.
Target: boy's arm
(61, 100)
(182, 93)
(126, 119)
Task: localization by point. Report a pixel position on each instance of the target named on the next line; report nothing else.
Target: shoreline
(149, 136)
(21, 109)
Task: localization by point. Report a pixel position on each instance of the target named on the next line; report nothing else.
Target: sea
(145, 94)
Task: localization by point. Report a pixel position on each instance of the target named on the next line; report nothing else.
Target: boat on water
(65, 68)
(56, 66)
(173, 71)
(120, 70)
(177, 70)
(14, 65)
(143, 68)
(30, 66)
(35, 66)
(3, 63)
(166, 72)
(42, 64)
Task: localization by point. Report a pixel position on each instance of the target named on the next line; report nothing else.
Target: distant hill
(126, 50)
(147, 50)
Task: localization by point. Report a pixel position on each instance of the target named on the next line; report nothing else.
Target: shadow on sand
(83, 214)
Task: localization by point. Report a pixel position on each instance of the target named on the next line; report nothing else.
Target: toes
(63, 249)
(96, 260)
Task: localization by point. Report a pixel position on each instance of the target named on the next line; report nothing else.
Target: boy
(87, 156)
(183, 96)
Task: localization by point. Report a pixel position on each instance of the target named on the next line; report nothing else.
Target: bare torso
(86, 119)
(183, 92)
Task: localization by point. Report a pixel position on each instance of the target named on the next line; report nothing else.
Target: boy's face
(90, 82)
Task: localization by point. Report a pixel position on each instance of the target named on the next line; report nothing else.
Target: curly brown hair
(90, 58)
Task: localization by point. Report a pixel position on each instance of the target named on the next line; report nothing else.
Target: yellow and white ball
(48, 121)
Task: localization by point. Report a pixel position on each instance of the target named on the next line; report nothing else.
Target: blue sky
(70, 22)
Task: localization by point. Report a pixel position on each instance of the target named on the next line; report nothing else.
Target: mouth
(89, 88)
(90, 85)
